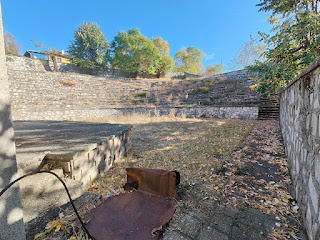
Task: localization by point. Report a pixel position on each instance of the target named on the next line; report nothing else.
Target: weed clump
(142, 94)
(202, 90)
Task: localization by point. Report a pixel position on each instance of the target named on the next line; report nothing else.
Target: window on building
(59, 60)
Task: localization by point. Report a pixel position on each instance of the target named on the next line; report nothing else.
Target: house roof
(52, 53)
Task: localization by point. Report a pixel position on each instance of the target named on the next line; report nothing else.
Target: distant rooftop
(60, 53)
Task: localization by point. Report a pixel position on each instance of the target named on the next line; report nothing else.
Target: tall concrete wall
(11, 216)
(299, 117)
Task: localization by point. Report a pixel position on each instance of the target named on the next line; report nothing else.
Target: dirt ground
(238, 164)
(197, 148)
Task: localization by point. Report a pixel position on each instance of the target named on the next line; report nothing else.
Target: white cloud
(208, 57)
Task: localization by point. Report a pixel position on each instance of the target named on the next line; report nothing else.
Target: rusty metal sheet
(133, 216)
(159, 182)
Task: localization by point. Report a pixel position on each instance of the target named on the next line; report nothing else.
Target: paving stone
(222, 223)
(190, 226)
(252, 224)
(209, 233)
(174, 236)
(226, 211)
(199, 215)
(254, 218)
(245, 232)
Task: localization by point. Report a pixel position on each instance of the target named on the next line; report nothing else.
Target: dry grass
(177, 102)
(197, 148)
(142, 94)
(169, 99)
(136, 119)
(67, 83)
(156, 98)
(200, 90)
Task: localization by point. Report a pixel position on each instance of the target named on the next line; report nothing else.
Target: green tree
(166, 62)
(250, 52)
(294, 45)
(11, 47)
(89, 44)
(133, 52)
(189, 60)
(215, 69)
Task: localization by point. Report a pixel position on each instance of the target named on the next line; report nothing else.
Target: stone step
(268, 116)
(266, 113)
(267, 108)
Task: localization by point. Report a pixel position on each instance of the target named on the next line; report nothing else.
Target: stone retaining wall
(299, 117)
(25, 64)
(242, 74)
(94, 162)
(190, 75)
(235, 75)
(28, 64)
(93, 114)
(22, 63)
(38, 94)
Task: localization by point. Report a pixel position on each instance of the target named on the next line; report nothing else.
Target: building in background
(61, 56)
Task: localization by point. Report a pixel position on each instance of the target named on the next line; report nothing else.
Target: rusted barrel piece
(141, 214)
(161, 183)
(135, 215)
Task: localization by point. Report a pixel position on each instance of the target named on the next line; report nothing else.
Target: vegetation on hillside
(215, 69)
(90, 46)
(166, 62)
(189, 60)
(250, 52)
(133, 52)
(295, 42)
(130, 52)
(291, 46)
(11, 46)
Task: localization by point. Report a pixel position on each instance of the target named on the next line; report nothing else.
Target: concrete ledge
(76, 151)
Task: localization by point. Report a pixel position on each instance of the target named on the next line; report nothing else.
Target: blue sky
(218, 28)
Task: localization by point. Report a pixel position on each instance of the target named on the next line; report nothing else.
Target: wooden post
(55, 64)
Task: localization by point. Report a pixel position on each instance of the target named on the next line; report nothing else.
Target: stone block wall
(235, 75)
(15, 63)
(190, 75)
(49, 95)
(96, 114)
(85, 167)
(39, 94)
(22, 63)
(300, 126)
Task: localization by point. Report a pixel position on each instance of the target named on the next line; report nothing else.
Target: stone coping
(35, 139)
